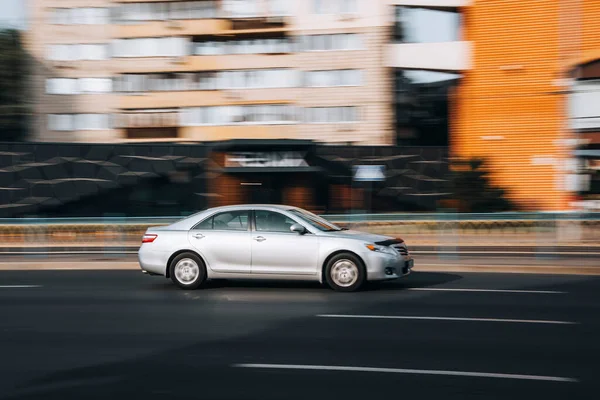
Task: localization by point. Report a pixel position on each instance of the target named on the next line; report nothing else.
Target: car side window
(270, 221)
(226, 221)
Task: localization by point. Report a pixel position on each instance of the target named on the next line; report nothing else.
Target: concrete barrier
(574, 232)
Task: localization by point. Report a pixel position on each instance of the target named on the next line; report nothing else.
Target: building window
(78, 122)
(239, 115)
(160, 11)
(331, 78)
(280, 7)
(151, 47)
(584, 105)
(329, 115)
(210, 80)
(80, 16)
(249, 46)
(426, 25)
(343, 41)
(242, 8)
(78, 86)
(74, 52)
(257, 79)
(335, 6)
(335, 42)
(422, 106)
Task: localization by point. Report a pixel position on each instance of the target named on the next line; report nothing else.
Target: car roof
(245, 206)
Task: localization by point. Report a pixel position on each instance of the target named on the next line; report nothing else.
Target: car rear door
(278, 250)
(224, 241)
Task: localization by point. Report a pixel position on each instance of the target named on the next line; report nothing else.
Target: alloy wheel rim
(187, 271)
(344, 273)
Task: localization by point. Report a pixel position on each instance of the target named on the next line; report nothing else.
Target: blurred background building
(212, 70)
(398, 83)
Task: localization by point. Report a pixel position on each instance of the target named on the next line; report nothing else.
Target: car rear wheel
(345, 273)
(188, 271)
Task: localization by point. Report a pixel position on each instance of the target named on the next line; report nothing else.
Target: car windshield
(315, 221)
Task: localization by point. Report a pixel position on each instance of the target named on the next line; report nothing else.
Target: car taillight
(149, 238)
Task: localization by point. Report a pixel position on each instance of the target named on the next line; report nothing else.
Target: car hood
(358, 235)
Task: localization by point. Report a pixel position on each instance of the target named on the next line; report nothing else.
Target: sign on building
(369, 173)
(271, 159)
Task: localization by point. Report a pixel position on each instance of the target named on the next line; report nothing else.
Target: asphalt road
(121, 334)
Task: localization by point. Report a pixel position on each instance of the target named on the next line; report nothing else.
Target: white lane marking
(408, 371)
(487, 290)
(34, 253)
(561, 267)
(19, 286)
(411, 317)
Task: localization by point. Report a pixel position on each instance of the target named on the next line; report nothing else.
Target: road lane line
(411, 317)
(408, 371)
(531, 266)
(19, 286)
(487, 290)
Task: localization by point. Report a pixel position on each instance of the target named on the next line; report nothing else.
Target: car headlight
(381, 249)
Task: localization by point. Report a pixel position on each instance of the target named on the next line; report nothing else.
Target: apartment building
(113, 71)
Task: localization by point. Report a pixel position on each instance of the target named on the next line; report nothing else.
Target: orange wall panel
(509, 108)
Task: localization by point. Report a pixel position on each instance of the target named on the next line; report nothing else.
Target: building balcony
(148, 118)
(203, 63)
(218, 133)
(205, 98)
(431, 3)
(173, 28)
(266, 24)
(446, 56)
(585, 123)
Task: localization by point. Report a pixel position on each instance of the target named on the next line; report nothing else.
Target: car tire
(187, 271)
(345, 272)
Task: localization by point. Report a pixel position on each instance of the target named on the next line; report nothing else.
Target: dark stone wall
(94, 180)
(415, 176)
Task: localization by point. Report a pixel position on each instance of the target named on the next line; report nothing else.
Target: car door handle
(260, 239)
(198, 236)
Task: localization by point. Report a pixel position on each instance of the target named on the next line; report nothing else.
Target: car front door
(278, 250)
(224, 241)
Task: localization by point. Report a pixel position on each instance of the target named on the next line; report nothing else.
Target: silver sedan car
(270, 242)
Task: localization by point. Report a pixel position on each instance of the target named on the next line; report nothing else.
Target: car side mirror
(298, 229)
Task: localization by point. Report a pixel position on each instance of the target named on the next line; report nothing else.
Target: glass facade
(426, 25)
(422, 101)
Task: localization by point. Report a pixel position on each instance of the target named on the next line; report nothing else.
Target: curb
(513, 269)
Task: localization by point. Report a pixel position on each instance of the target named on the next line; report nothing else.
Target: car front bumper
(382, 266)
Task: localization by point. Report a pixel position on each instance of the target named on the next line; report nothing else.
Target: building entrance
(265, 189)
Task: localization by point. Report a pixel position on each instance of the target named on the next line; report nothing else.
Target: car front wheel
(345, 273)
